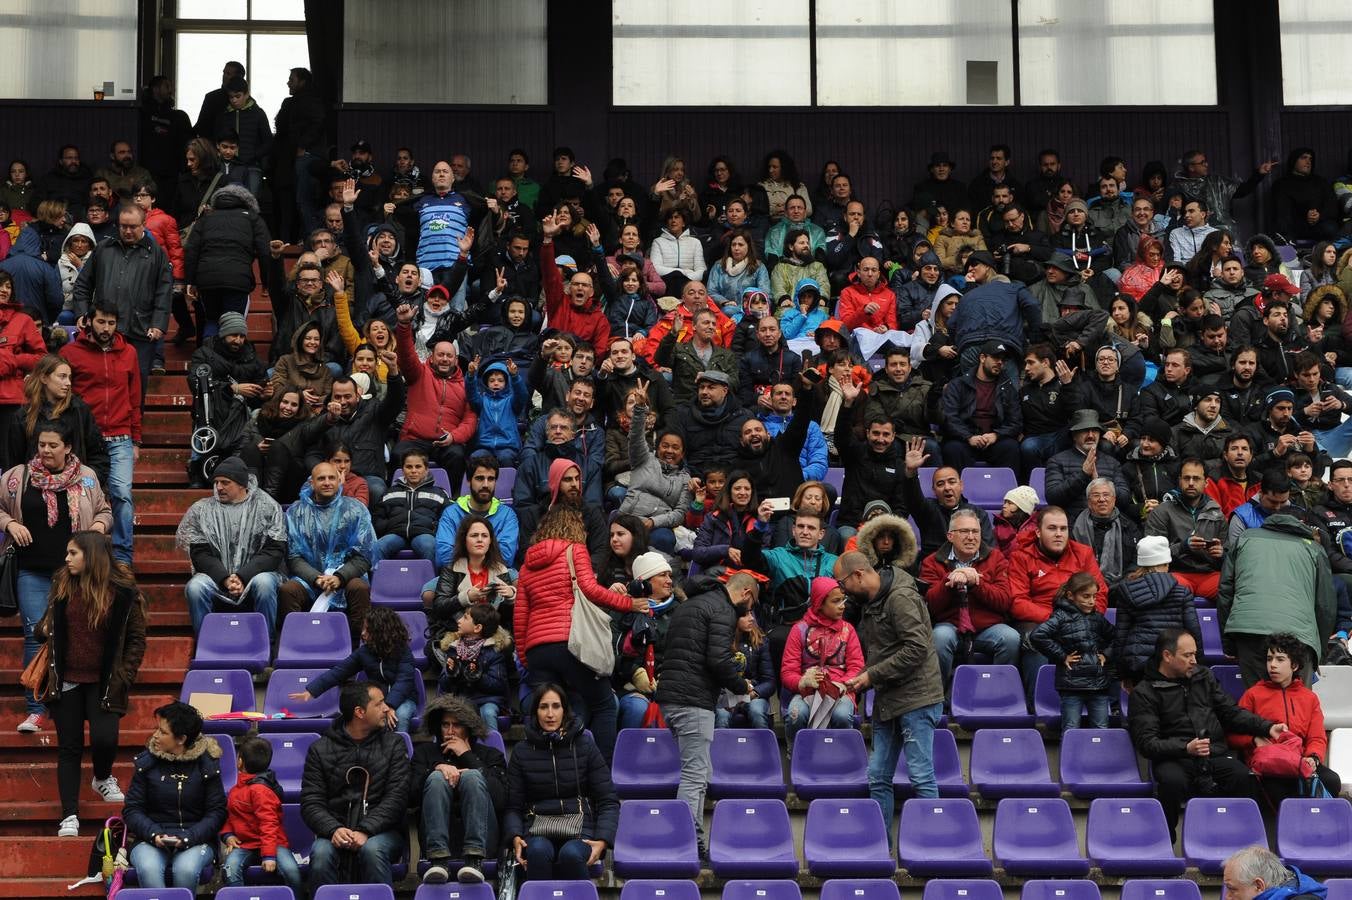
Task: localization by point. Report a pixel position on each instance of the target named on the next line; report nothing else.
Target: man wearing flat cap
(1070, 471)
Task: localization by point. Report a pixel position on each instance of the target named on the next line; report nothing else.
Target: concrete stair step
(34, 781)
(28, 888)
(140, 715)
(166, 500)
(165, 661)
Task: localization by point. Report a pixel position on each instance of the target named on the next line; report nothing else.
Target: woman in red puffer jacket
(1282, 697)
(543, 612)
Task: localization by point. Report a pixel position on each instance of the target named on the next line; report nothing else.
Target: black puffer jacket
(363, 432)
(1167, 713)
(548, 772)
(223, 244)
(1070, 631)
(409, 512)
(697, 662)
(177, 794)
(712, 437)
(328, 802)
(1145, 607)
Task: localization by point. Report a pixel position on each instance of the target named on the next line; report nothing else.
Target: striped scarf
(68, 480)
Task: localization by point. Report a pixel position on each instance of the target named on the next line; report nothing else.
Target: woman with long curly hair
(386, 658)
(95, 626)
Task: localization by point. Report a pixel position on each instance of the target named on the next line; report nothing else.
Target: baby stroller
(218, 423)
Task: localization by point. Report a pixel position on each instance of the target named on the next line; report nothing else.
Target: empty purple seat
(1211, 649)
(647, 764)
(313, 639)
(941, 839)
(309, 715)
(1130, 837)
(746, 763)
(233, 641)
(1037, 480)
(989, 697)
(1101, 762)
(288, 759)
(156, 893)
(255, 892)
(752, 839)
(1231, 681)
(506, 481)
(1011, 762)
(657, 889)
(859, 889)
(762, 890)
(1215, 827)
(986, 488)
(1173, 889)
(1316, 835)
(1339, 889)
(1056, 889)
(829, 762)
(480, 891)
(1037, 838)
(836, 478)
(557, 890)
(847, 838)
(655, 839)
(494, 740)
(947, 769)
(355, 892)
(235, 682)
(925, 475)
(962, 889)
(415, 620)
(398, 583)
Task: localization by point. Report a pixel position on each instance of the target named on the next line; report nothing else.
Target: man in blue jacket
(483, 483)
(995, 308)
(36, 284)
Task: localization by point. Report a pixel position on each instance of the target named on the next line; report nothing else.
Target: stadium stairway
(33, 861)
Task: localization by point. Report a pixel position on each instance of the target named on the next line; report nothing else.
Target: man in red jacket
(968, 595)
(439, 421)
(867, 301)
(574, 310)
(106, 375)
(1037, 570)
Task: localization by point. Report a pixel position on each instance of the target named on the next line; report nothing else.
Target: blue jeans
(549, 860)
(253, 178)
(489, 713)
(260, 595)
(185, 866)
(663, 539)
(33, 590)
(755, 714)
(425, 545)
(1073, 702)
(800, 710)
(632, 709)
(911, 733)
(1000, 641)
(1338, 440)
(369, 865)
(1036, 449)
(404, 714)
(239, 859)
(119, 494)
(469, 800)
(1343, 376)
(506, 456)
(615, 496)
(376, 485)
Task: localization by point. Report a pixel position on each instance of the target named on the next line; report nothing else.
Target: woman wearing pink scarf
(823, 652)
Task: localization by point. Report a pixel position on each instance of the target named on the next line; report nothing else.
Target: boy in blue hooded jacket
(500, 397)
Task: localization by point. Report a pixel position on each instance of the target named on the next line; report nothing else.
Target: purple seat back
(557, 890)
(1171, 889)
(235, 682)
(986, 488)
(494, 740)
(1212, 651)
(859, 889)
(657, 889)
(752, 839)
(355, 892)
(288, 758)
(313, 639)
(399, 582)
(989, 697)
(947, 769)
(746, 763)
(925, 474)
(847, 838)
(229, 768)
(233, 641)
(254, 892)
(1131, 837)
(836, 478)
(1339, 889)
(1316, 834)
(1215, 827)
(1011, 762)
(415, 620)
(453, 891)
(1231, 681)
(313, 714)
(440, 478)
(1101, 762)
(647, 763)
(1055, 889)
(1037, 837)
(1037, 480)
(962, 889)
(1046, 699)
(156, 893)
(829, 762)
(762, 890)
(941, 839)
(656, 838)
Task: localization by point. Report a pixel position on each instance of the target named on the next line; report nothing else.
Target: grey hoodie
(68, 270)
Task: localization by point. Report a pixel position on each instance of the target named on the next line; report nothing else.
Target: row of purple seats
(398, 583)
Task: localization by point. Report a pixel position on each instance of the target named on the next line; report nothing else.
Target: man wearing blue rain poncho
(330, 542)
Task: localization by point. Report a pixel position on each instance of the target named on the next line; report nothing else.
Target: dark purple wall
(35, 130)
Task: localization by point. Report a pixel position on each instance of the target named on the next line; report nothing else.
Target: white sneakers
(108, 789)
(33, 724)
(70, 827)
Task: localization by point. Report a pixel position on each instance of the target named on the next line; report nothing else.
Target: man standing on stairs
(107, 376)
(237, 541)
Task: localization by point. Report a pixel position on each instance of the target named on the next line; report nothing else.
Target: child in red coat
(253, 825)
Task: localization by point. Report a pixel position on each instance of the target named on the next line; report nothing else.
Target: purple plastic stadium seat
(1011, 762)
(254, 892)
(156, 893)
(1231, 681)
(836, 478)
(313, 639)
(752, 839)
(941, 839)
(1037, 838)
(1316, 835)
(232, 641)
(655, 839)
(947, 769)
(1046, 699)
(355, 892)
(1037, 480)
(1051, 889)
(746, 763)
(647, 764)
(859, 889)
(656, 889)
(311, 715)
(398, 583)
(989, 697)
(506, 481)
(415, 620)
(235, 682)
(925, 474)
(1212, 651)
(229, 768)
(494, 740)
(1101, 762)
(847, 838)
(829, 762)
(480, 891)
(762, 890)
(1215, 827)
(986, 488)
(1339, 889)
(1173, 889)
(1130, 837)
(962, 889)
(439, 477)
(288, 759)
(557, 890)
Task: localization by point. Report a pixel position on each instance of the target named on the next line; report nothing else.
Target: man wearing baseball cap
(995, 308)
(982, 412)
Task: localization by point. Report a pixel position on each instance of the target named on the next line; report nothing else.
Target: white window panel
(1316, 65)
